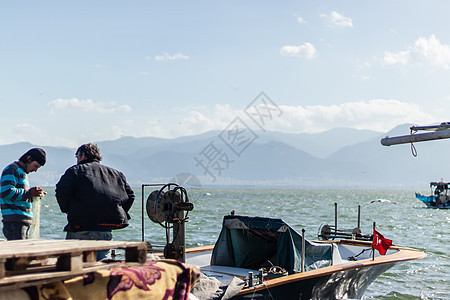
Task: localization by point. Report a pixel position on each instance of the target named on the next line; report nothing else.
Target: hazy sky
(79, 71)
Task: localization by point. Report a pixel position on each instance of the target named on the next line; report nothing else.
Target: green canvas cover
(250, 242)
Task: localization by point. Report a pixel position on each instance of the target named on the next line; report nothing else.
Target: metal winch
(169, 207)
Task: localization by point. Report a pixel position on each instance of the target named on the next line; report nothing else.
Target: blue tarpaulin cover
(426, 199)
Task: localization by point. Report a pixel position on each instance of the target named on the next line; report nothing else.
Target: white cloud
(26, 130)
(167, 57)
(307, 50)
(428, 51)
(337, 20)
(124, 108)
(201, 119)
(36, 135)
(300, 20)
(88, 105)
(364, 77)
(378, 114)
(401, 58)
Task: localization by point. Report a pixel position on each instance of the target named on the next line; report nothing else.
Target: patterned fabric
(156, 280)
(14, 203)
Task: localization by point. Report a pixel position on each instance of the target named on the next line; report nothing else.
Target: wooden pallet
(28, 262)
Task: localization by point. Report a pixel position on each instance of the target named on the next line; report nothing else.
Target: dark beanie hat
(37, 154)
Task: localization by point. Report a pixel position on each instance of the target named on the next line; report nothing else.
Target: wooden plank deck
(25, 262)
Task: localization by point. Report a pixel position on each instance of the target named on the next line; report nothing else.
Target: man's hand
(37, 191)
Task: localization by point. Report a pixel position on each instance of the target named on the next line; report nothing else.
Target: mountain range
(338, 158)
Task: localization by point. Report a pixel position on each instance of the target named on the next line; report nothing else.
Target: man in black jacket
(95, 197)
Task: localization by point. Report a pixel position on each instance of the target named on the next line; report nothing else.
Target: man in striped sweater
(16, 195)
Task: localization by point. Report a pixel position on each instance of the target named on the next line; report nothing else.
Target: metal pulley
(154, 208)
(324, 232)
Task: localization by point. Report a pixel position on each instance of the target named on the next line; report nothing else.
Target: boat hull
(339, 285)
(344, 280)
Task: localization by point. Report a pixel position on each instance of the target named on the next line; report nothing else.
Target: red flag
(380, 243)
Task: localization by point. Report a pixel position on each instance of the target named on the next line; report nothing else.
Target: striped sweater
(15, 203)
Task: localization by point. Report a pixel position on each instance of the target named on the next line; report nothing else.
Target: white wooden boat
(262, 258)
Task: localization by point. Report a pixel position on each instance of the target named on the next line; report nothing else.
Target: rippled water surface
(404, 220)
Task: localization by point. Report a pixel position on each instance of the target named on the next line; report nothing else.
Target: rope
(268, 291)
(277, 270)
(254, 291)
(354, 258)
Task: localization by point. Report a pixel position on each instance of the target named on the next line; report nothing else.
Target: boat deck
(28, 262)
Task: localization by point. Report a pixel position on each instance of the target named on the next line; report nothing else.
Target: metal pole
(179, 235)
(142, 212)
(335, 218)
(373, 249)
(359, 216)
(444, 125)
(303, 250)
(419, 137)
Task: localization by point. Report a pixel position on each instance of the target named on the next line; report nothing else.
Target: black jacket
(94, 196)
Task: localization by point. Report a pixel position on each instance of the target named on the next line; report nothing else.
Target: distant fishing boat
(439, 197)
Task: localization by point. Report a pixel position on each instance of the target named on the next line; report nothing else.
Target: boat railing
(331, 232)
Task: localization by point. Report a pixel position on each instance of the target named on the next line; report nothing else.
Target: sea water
(401, 218)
